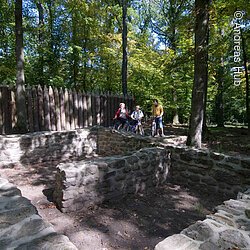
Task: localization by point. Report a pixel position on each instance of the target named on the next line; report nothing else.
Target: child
(137, 115)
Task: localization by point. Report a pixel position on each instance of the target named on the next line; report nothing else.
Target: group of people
(121, 117)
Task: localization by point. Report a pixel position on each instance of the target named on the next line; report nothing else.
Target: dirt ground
(136, 222)
(230, 140)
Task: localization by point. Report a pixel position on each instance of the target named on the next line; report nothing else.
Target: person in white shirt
(137, 114)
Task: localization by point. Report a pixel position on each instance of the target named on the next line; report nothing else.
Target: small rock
(247, 213)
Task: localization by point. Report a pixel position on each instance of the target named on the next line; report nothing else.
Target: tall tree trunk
(247, 81)
(85, 56)
(219, 106)
(200, 73)
(21, 126)
(175, 110)
(172, 34)
(124, 47)
(51, 57)
(41, 42)
(75, 56)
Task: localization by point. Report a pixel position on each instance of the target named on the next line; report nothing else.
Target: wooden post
(41, 113)
(75, 109)
(71, 111)
(57, 110)
(98, 110)
(52, 109)
(105, 113)
(89, 111)
(7, 110)
(47, 123)
(1, 111)
(30, 126)
(35, 108)
(13, 109)
(112, 109)
(93, 109)
(66, 107)
(62, 109)
(80, 111)
(85, 115)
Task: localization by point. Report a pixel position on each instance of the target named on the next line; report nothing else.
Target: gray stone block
(26, 230)
(14, 215)
(224, 176)
(245, 163)
(204, 163)
(200, 231)
(177, 242)
(186, 157)
(217, 156)
(208, 245)
(222, 219)
(52, 241)
(229, 239)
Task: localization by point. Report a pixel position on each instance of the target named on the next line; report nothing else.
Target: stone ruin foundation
(97, 165)
(83, 183)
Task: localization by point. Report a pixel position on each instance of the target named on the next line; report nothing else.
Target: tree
(200, 73)
(247, 80)
(124, 47)
(80, 44)
(40, 9)
(20, 80)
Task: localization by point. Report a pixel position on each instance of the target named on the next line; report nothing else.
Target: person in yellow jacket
(157, 112)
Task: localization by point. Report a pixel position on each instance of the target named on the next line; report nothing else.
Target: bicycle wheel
(153, 129)
(141, 130)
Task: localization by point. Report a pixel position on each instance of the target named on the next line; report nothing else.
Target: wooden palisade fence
(57, 109)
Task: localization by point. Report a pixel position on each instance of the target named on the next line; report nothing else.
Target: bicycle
(137, 128)
(153, 128)
(118, 125)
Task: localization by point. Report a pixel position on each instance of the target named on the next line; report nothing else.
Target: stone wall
(116, 143)
(83, 183)
(44, 147)
(228, 228)
(209, 171)
(49, 147)
(22, 227)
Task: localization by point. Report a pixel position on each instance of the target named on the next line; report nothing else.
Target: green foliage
(79, 45)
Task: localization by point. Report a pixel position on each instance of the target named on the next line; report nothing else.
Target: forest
(76, 172)
(139, 47)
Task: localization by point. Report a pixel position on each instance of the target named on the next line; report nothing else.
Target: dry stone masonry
(97, 164)
(210, 171)
(22, 227)
(49, 147)
(83, 183)
(118, 143)
(46, 147)
(228, 228)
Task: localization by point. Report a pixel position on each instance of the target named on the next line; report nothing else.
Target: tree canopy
(78, 44)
